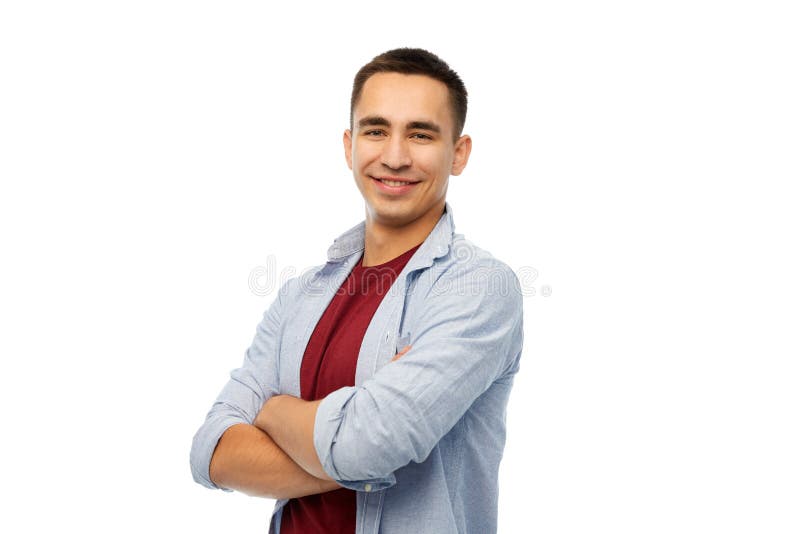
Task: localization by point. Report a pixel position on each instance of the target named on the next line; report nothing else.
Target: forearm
(290, 422)
(248, 460)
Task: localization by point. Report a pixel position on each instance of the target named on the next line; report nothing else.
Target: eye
(373, 133)
(422, 136)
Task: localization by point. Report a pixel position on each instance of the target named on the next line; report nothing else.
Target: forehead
(403, 98)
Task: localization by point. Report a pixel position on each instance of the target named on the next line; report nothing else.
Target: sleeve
(469, 334)
(248, 388)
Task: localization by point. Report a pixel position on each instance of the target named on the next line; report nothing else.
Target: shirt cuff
(326, 426)
(203, 446)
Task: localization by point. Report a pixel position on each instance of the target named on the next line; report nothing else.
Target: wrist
(263, 416)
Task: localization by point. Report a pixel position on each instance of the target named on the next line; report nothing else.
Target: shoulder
(469, 274)
(308, 283)
(475, 266)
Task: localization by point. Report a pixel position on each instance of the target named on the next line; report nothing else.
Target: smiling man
(373, 396)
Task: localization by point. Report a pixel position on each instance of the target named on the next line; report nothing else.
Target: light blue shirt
(420, 439)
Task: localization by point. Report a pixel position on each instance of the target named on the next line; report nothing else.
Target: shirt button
(367, 487)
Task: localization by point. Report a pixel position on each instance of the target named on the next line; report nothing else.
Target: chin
(393, 214)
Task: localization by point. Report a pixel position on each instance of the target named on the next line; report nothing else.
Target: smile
(393, 183)
(393, 186)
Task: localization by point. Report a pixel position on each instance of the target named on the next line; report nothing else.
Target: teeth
(393, 183)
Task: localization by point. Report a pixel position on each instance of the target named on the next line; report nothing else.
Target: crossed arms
(467, 335)
(249, 460)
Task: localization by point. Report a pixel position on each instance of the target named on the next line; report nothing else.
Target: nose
(396, 154)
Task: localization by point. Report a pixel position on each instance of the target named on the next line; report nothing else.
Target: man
(373, 396)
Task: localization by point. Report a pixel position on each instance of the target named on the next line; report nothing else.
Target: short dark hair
(416, 61)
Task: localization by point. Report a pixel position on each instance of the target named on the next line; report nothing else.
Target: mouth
(394, 185)
(394, 181)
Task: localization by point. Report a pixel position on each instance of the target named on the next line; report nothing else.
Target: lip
(393, 190)
(395, 179)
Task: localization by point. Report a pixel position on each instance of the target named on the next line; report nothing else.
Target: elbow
(216, 469)
(208, 467)
(200, 461)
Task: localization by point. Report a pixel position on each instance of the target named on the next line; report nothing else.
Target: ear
(461, 152)
(347, 140)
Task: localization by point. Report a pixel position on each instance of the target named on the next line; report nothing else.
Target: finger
(401, 353)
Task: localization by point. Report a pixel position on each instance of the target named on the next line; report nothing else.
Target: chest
(385, 335)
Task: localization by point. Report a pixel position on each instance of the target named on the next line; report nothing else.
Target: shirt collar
(435, 245)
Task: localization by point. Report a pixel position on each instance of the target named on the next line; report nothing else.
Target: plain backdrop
(636, 161)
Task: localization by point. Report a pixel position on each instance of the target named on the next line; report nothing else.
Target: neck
(384, 242)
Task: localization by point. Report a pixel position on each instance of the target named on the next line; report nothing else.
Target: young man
(373, 396)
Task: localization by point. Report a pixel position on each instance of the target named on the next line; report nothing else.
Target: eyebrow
(376, 120)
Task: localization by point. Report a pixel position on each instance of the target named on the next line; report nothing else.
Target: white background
(641, 156)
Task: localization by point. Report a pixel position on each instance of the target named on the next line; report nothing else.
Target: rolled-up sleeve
(469, 332)
(244, 394)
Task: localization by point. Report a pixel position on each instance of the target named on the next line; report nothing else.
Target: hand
(261, 418)
(401, 353)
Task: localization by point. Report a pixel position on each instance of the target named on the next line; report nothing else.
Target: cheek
(434, 163)
(364, 154)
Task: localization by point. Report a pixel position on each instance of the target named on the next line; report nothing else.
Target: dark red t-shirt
(329, 363)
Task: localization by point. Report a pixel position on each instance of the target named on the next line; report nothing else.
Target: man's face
(403, 131)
